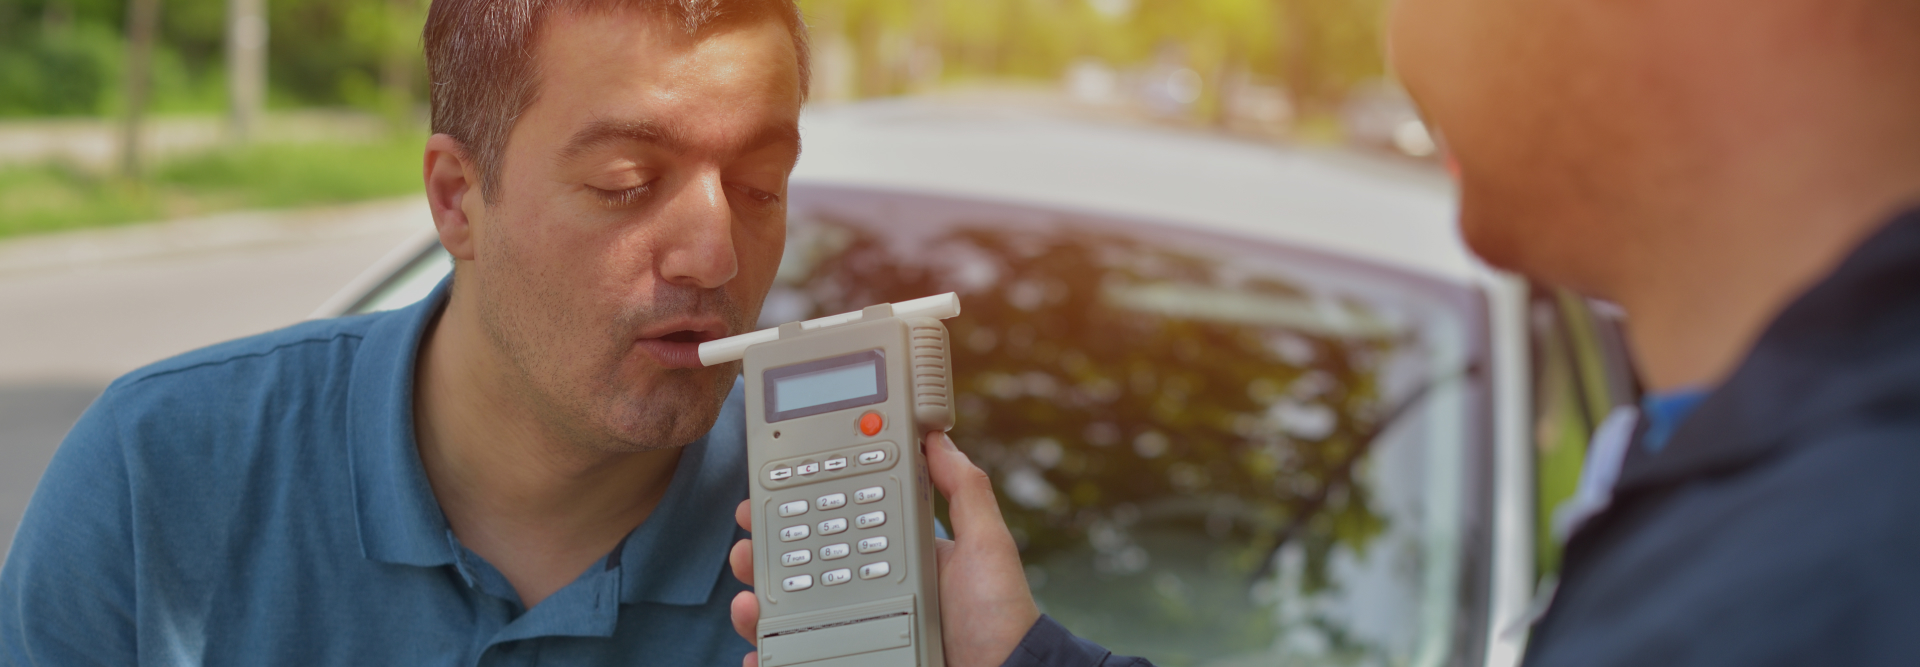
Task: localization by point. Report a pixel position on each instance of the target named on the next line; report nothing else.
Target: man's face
(1541, 107)
(640, 210)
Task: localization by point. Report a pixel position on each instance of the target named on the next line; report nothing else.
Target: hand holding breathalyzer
(840, 509)
(985, 606)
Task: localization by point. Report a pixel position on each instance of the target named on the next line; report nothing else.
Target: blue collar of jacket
(1846, 350)
(674, 557)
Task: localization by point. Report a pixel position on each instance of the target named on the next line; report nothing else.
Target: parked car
(1244, 404)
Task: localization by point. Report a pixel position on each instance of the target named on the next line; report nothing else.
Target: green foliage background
(1317, 49)
(64, 57)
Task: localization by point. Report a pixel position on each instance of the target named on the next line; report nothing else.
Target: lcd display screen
(826, 385)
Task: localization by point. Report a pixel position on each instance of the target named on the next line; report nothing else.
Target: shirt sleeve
(67, 587)
(1048, 644)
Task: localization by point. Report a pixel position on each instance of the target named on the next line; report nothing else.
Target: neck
(1712, 278)
(518, 487)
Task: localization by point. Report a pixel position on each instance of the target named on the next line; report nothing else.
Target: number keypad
(820, 548)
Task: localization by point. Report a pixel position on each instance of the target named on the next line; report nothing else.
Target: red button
(870, 423)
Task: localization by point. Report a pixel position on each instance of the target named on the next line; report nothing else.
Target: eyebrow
(603, 132)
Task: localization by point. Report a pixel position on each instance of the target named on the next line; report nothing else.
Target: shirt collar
(399, 519)
(674, 557)
(1842, 350)
(1665, 411)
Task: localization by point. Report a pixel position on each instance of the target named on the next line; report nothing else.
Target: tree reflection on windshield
(1156, 422)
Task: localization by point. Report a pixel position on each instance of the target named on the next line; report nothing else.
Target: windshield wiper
(1343, 473)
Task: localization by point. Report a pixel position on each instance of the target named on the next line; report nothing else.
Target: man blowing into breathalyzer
(530, 465)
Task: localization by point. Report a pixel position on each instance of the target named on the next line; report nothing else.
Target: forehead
(736, 75)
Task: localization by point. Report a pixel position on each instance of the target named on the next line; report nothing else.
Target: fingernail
(946, 441)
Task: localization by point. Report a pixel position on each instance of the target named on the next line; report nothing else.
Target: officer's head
(610, 177)
(1588, 132)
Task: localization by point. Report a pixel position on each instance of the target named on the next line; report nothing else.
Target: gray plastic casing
(890, 621)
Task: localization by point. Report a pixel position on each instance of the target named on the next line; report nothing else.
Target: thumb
(970, 501)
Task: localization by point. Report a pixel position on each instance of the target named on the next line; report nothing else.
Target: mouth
(677, 344)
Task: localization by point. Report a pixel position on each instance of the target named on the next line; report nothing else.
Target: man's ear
(453, 193)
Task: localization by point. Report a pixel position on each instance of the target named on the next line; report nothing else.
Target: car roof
(1372, 208)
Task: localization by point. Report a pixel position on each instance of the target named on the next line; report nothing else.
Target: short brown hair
(480, 61)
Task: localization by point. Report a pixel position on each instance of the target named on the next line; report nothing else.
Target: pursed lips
(677, 344)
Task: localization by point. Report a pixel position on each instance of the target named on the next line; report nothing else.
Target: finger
(741, 559)
(942, 550)
(752, 659)
(743, 515)
(970, 502)
(746, 615)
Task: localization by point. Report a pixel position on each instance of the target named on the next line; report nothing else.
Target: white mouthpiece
(938, 306)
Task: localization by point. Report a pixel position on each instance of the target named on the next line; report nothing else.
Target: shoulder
(1804, 558)
(229, 402)
(282, 364)
(304, 342)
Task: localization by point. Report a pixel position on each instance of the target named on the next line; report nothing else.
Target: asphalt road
(80, 309)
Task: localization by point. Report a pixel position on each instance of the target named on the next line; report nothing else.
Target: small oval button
(869, 520)
(831, 501)
(875, 570)
(869, 494)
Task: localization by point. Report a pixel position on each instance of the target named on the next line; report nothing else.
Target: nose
(698, 235)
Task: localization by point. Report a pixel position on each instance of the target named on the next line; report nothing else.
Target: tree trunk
(396, 66)
(1297, 50)
(246, 67)
(143, 18)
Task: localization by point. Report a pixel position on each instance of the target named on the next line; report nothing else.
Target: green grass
(45, 198)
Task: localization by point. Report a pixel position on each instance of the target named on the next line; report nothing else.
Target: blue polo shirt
(262, 502)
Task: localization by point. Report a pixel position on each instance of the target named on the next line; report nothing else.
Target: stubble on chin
(590, 384)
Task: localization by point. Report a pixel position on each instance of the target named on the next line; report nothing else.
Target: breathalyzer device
(842, 510)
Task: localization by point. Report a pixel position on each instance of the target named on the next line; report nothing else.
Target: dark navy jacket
(1781, 524)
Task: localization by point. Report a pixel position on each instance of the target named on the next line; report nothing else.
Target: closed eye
(759, 197)
(623, 198)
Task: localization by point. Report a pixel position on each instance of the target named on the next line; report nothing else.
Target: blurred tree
(143, 17)
(246, 55)
(365, 53)
(1317, 49)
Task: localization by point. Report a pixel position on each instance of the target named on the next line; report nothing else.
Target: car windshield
(1212, 451)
